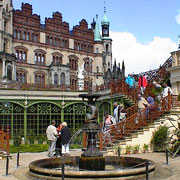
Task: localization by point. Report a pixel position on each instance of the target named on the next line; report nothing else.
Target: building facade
(7, 57)
(49, 54)
(40, 69)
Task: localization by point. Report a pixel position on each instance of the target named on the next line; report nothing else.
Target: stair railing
(121, 87)
(139, 119)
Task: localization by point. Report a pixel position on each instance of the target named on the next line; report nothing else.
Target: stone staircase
(144, 135)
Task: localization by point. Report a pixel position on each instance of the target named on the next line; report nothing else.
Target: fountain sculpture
(91, 158)
(91, 164)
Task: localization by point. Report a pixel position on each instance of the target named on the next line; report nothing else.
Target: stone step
(146, 128)
(141, 131)
(128, 138)
(152, 125)
(122, 142)
(134, 135)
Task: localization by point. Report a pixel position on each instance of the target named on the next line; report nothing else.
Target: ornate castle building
(49, 54)
(44, 67)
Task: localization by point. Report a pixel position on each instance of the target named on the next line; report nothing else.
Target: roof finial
(104, 5)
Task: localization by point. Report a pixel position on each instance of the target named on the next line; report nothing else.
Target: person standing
(58, 142)
(51, 133)
(166, 90)
(158, 90)
(142, 83)
(122, 112)
(130, 81)
(115, 111)
(108, 121)
(65, 137)
(142, 104)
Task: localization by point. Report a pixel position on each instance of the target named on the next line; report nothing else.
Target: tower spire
(97, 36)
(104, 6)
(105, 24)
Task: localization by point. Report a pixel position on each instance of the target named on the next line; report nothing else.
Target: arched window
(39, 78)
(62, 43)
(55, 79)
(57, 58)
(107, 48)
(32, 37)
(24, 35)
(88, 65)
(9, 72)
(27, 37)
(39, 57)
(15, 33)
(21, 75)
(73, 62)
(36, 38)
(58, 42)
(19, 34)
(62, 79)
(55, 42)
(73, 83)
(51, 41)
(21, 54)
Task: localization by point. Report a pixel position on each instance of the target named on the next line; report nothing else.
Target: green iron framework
(26, 117)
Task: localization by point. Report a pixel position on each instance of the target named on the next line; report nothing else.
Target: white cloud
(140, 57)
(178, 18)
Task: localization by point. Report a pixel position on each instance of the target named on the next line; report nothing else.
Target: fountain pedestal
(91, 158)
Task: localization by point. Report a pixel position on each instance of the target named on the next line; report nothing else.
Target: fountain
(91, 164)
(91, 158)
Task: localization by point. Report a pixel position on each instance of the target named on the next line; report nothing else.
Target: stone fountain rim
(85, 173)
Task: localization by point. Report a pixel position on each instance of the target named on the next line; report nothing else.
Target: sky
(144, 32)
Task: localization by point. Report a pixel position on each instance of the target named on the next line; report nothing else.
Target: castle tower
(7, 58)
(107, 41)
(98, 50)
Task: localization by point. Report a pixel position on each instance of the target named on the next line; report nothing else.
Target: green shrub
(159, 138)
(17, 140)
(29, 148)
(41, 139)
(75, 146)
(31, 137)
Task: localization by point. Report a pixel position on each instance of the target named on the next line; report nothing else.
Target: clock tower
(107, 42)
(105, 25)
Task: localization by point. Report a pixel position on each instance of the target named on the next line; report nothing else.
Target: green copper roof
(97, 36)
(105, 20)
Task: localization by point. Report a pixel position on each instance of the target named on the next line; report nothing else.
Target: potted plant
(145, 148)
(136, 149)
(128, 149)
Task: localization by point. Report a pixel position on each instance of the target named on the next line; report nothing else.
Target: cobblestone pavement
(163, 171)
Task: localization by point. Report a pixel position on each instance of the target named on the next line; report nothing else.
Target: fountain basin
(116, 168)
(92, 163)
